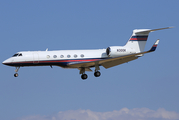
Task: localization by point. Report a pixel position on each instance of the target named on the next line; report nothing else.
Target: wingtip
(154, 46)
(171, 27)
(156, 43)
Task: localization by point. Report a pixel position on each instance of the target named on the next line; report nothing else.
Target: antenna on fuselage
(46, 49)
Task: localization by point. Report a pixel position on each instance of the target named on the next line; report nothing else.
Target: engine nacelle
(114, 51)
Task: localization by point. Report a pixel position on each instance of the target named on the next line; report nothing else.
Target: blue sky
(147, 84)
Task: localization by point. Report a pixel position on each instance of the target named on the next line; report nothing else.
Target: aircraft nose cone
(7, 62)
(4, 62)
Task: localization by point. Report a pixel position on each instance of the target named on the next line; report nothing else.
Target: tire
(84, 76)
(16, 75)
(97, 74)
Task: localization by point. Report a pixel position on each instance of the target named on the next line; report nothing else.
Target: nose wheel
(16, 75)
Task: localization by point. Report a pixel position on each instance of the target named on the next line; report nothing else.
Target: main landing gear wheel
(16, 75)
(97, 74)
(84, 76)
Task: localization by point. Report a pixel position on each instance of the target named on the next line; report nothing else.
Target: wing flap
(118, 62)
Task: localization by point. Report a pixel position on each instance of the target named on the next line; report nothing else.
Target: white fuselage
(62, 57)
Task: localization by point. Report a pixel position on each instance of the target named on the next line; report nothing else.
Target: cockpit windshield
(17, 54)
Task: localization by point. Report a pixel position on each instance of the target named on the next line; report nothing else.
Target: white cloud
(123, 114)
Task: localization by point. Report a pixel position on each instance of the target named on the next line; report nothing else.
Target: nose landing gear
(16, 74)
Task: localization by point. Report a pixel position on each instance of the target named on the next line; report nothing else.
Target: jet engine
(114, 51)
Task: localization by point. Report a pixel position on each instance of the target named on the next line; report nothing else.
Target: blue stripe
(139, 36)
(153, 49)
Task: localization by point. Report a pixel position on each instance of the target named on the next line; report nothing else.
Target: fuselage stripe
(51, 62)
(138, 38)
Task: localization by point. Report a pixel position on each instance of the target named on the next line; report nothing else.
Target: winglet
(154, 46)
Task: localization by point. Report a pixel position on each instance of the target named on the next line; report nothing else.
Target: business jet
(84, 60)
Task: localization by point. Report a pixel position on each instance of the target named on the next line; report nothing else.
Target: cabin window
(68, 56)
(55, 56)
(82, 55)
(75, 56)
(48, 56)
(61, 56)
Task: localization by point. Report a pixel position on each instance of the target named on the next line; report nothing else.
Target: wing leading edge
(111, 62)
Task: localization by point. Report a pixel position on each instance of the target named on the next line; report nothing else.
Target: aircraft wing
(113, 63)
(110, 62)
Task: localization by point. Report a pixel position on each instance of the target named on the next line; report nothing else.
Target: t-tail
(139, 37)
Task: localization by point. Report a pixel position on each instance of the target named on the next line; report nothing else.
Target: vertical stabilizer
(138, 40)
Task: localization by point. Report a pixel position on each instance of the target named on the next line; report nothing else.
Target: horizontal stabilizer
(151, 30)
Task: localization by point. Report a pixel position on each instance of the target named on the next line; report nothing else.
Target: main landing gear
(16, 74)
(85, 76)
